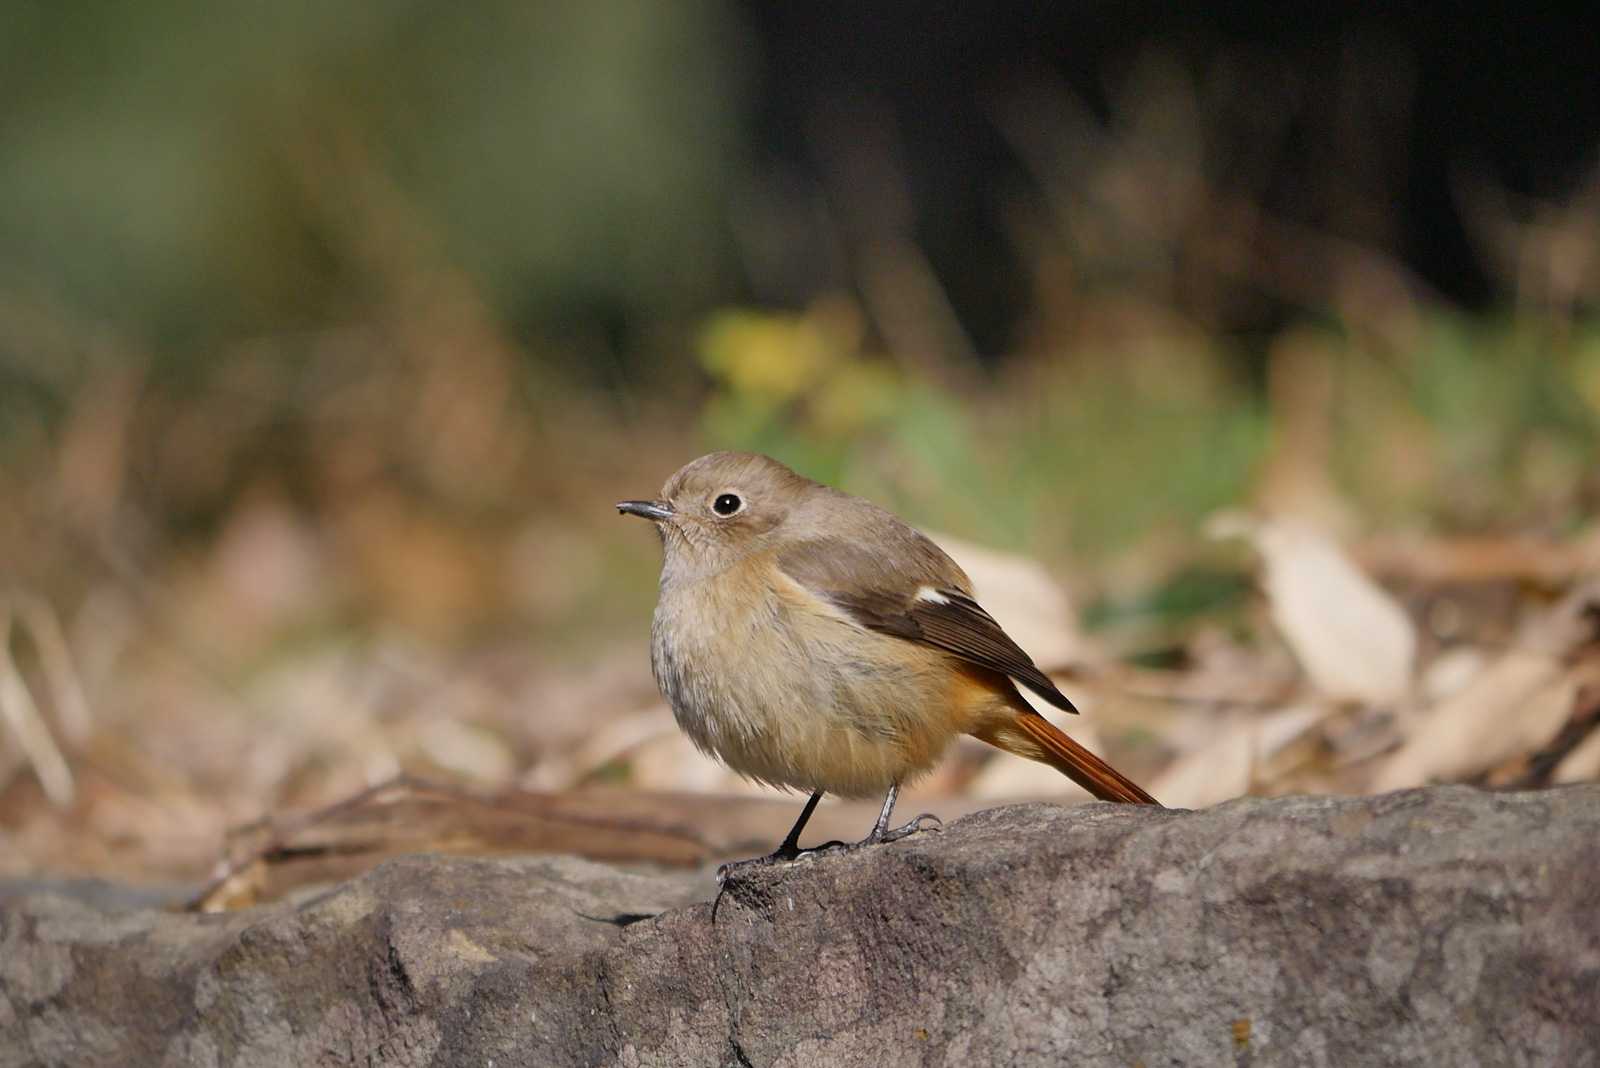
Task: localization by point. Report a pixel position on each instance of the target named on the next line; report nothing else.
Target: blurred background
(1250, 363)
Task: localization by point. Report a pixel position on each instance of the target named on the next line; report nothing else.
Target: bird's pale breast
(784, 688)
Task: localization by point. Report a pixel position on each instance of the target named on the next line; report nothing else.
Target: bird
(812, 640)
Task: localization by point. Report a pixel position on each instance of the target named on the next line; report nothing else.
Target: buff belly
(785, 690)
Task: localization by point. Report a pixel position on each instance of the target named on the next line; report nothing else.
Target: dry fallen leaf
(1582, 764)
(1353, 640)
(1513, 706)
(20, 717)
(1234, 760)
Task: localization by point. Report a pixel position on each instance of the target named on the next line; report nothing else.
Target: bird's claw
(925, 822)
(933, 823)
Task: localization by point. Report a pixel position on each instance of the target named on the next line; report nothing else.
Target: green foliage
(1087, 459)
(797, 387)
(1123, 450)
(1483, 421)
(188, 170)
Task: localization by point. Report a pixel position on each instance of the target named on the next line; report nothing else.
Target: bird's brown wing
(905, 585)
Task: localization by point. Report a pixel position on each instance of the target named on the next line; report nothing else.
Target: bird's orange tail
(1028, 734)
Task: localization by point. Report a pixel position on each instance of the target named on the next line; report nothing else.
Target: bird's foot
(784, 854)
(925, 822)
(781, 855)
(787, 854)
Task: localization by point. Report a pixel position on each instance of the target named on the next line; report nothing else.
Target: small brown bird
(811, 639)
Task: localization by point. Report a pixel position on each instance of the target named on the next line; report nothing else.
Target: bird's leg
(881, 828)
(789, 849)
(880, 831)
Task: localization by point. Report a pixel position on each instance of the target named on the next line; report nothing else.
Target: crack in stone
(727, 980)
(603, 982)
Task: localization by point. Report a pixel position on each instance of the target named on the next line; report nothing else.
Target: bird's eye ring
(726, 504)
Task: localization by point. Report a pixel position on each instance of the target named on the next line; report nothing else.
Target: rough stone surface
(1441, 926)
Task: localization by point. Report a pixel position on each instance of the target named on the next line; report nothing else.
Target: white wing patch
(928, 593)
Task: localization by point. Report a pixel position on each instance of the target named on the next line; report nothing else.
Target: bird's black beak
(646, 509)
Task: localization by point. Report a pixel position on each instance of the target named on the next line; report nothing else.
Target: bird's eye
(726, 504)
